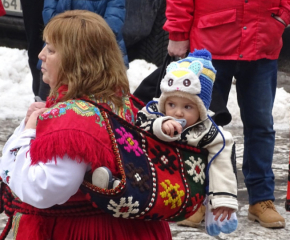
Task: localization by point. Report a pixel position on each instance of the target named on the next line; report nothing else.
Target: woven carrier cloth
(160, 181)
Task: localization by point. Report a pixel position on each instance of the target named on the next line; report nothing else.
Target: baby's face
(182, 108)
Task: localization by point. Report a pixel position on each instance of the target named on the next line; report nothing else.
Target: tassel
(77, 145)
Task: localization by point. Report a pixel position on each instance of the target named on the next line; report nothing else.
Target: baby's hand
(224, 211)
(170, 126)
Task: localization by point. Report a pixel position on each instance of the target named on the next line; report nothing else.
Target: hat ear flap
(196, 67)
(172, 66)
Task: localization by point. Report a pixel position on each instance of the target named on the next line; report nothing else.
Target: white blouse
(44, 184)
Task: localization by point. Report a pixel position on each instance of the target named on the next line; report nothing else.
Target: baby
(181, 114)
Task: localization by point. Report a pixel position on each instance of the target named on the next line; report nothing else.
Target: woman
(44, 162)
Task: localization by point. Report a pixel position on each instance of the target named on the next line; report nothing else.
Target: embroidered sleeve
(17, 140)
(145, 119)
(36, 184)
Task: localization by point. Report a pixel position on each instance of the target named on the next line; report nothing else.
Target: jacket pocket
(218, 18)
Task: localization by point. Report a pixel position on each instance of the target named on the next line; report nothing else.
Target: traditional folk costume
(44, 169)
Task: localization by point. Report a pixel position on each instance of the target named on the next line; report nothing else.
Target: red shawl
(77, 129)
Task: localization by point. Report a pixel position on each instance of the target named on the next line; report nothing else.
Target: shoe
(102, 177)
(266, 214)
(195, 219)
(116, 183)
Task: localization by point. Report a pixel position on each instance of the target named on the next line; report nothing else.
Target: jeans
(32, 17)
(256, 83)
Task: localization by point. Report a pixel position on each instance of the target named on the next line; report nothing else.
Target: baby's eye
(171, 105)
(188, 107)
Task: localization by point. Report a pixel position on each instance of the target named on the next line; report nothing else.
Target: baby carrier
(160, 181)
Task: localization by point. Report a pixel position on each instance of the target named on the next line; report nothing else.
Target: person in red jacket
(2, 10)
(245, 39)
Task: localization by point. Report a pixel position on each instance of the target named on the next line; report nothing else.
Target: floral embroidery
(137, 177)
(130, 143)
(79, 107)
(83, 108)
(124, 208)
(128, 116)
(14, 151)
(172, 194)
(196, 169)
(54, 112)
(5, 176)
(45, 115)
(164, 159)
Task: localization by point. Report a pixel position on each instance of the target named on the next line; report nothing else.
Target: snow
(16, 88)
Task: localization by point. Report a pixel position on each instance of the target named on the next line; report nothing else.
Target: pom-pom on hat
(191, 78)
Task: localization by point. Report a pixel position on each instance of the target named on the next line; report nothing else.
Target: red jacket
(229, 29)
(2, 10)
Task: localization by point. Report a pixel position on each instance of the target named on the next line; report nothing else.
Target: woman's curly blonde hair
(91, 60)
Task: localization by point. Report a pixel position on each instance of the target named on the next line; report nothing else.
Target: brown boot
(195, 219)
(265, 213)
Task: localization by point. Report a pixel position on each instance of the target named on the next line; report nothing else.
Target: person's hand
(170, 126)
(31, 123)
(224, 211)
(33, 107)
(178, 48)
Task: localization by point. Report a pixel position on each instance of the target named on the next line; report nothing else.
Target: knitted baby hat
(191, 78)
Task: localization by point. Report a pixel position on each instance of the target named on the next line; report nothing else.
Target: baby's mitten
(211, 226)
(215, 227)
(228, 226)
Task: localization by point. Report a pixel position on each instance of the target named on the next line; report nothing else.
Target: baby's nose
(179, 113)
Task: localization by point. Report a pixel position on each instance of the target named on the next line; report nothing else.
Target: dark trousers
(32, 16)
(256, 87)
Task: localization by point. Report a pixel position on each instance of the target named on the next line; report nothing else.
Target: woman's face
(50, 64)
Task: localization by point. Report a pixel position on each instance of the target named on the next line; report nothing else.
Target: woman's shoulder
(76, 107)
